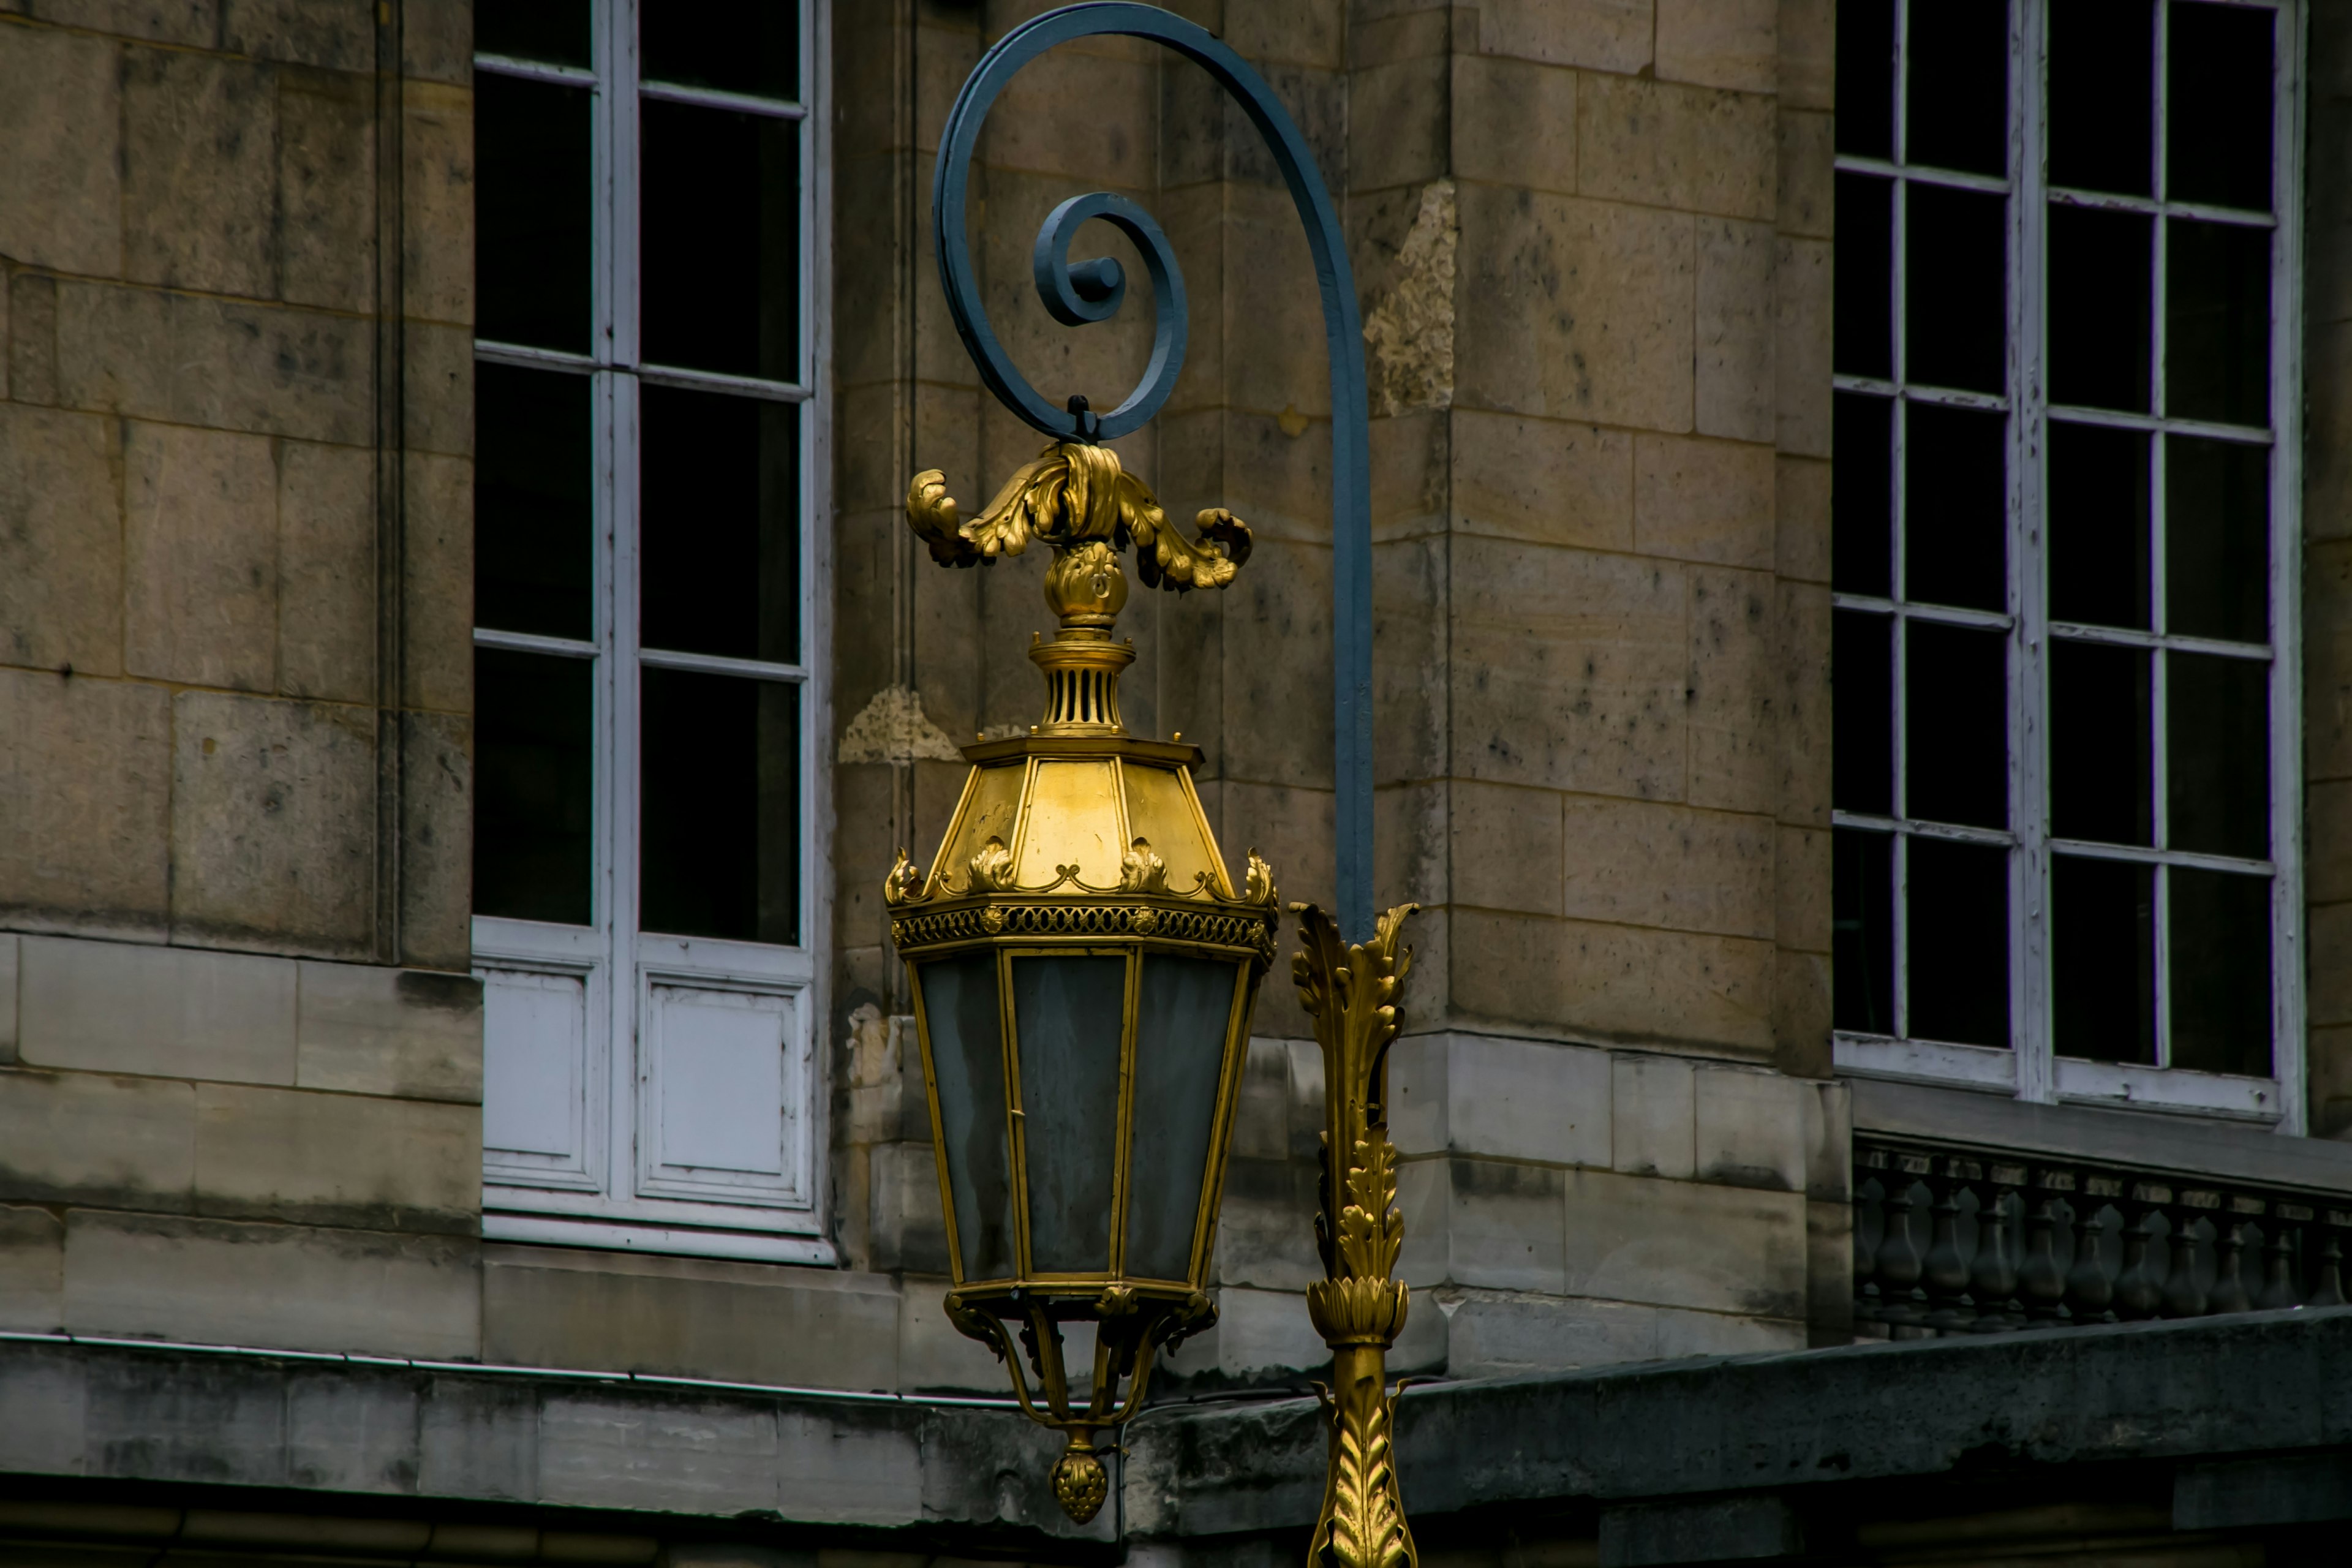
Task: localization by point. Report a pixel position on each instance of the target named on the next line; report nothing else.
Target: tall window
(643, 661)
(2067, 762)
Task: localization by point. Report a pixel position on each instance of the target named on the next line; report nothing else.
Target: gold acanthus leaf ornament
(1257, 885)
(904, 882)
(1141, 870)
(992, 867)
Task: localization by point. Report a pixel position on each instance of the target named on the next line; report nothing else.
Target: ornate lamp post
(1082, 964)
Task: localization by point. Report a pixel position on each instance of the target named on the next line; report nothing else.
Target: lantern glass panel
(1182, 1010)
(966, 1030)
(1067, 1017)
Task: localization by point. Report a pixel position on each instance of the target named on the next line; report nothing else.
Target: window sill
(609, 1236)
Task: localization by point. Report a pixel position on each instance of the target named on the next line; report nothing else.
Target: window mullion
(2287, 1016)
(2031, 1031)
(2159, 682)
(617, 485)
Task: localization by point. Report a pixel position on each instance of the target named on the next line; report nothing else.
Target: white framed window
(2068, 762)
(649, 689)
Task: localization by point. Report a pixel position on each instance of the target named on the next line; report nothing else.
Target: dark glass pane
(554, 30)
(2218, 107)
(2100, 325)
(2101, 95)
(2100, 773)
(1861, 335)
(534, 525)
(533, 785)
(1865, 77)
(1956, 726)
(2221, 953)
(1180, 1046)
(721, 241)
(1955, 507)
(736, 46)
(1957, 945)
(2099, 526)
(2103, 960)
(1958, 71)
(719, 552)
(1861, 683)
(720, 824)
(2217, 526)
(1066, 1012)
(1954, 330)
(1862, 906)
(967, 1061)
(2218, 318)
(2217, 722)
(531, 197)
(1862, 494)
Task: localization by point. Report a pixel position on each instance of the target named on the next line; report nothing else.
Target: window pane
(531, 195)
(2218, 107)
(2100, 325)
(2220, 963)
(2217, 558)
(1956, 726)
(737, 45)
(2217, 721)
(1066, 1012)
(1957, 941)
(554, 30)
(2100, 776)
(967, 1040)
(1861, 676)
(719, 782)
(2101, 95)
(1955, 508)
(1954, 330)
(720, 551)
(1865, 77)
(1959, 85)
(2103, 960)
(534, 522)
(1862, 341)
(533, 785)
(1862, 903)
(721, 241)
(1862, 492)
(2099, 526)
(1184, 1005)
(2217, 321)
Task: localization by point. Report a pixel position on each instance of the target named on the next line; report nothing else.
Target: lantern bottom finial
(1080, 1484)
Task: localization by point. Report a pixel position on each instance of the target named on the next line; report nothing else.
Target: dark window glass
(1955, 511)
(1861, 676)
(531, 195)
(1862, 900)
(1066, 1022)
(736, 46)
(2101, 95)
(533, 789)
(720, 823)
(2217, 321)
(2103, 960)
(1954, 314)
(1956, 941)
(1865, 76)
(2100, 775)
(961, 1017)
(534, 523)
(2100, 324)
(1862, 492)
(2217, 721)
(2218, 107)
(2217, 558)
(2098, 535)
(720, 551)
(2221, 927)
(1183, 1006)
(555, 30)
(720, 238)
(1956, 726)
(1862, 340)
(1958, 71)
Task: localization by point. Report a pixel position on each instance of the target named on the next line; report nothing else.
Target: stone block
(1501, 1098)
(1686, 1243)
(201, 556)
(1829, 1271)
(85, 787)
(1286, 362)
(1751, 1128)
(273, 822)
(362, 1160)
(437, 375)
(1805, 736)
(8, 969)
(1266, 1227)
(1506, 847)
(1808, 42)
(333, 35)
(1261, 1115)
(60, 542)
(1801, 1015)
(1653, 1119)
(75, 1137)
(1735, 742)
(1800, 282)
(2328, 934)
(1808, 166)
(195, 23)
(1662, 144)
(1738, 327)
(749, 1322)
(1668, 866)
(32, 1270)
(1514, 122)
(909, 1229)
(1801, 519)
(437, 196)
(1614, 983)
(1599, 35)
(1801, 876)
(1650, 1535)
(933, 1358)
(33, 338)
(360, 1029)
(1496, 1335)
(1503, 1227)
(325, 572)
(325, 180)
(61, 120)
(122, 1007)
(437, 41)
(285, 1286)
(1720, 43)
(199, 174)
(437, 841)
(1310, 34)
(2327, 659)
(1542, 480)
(1262, 1335)
(1397, 116)
(437, 592)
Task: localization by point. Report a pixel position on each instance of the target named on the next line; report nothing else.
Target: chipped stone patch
(1410, 333)
(893, 728)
